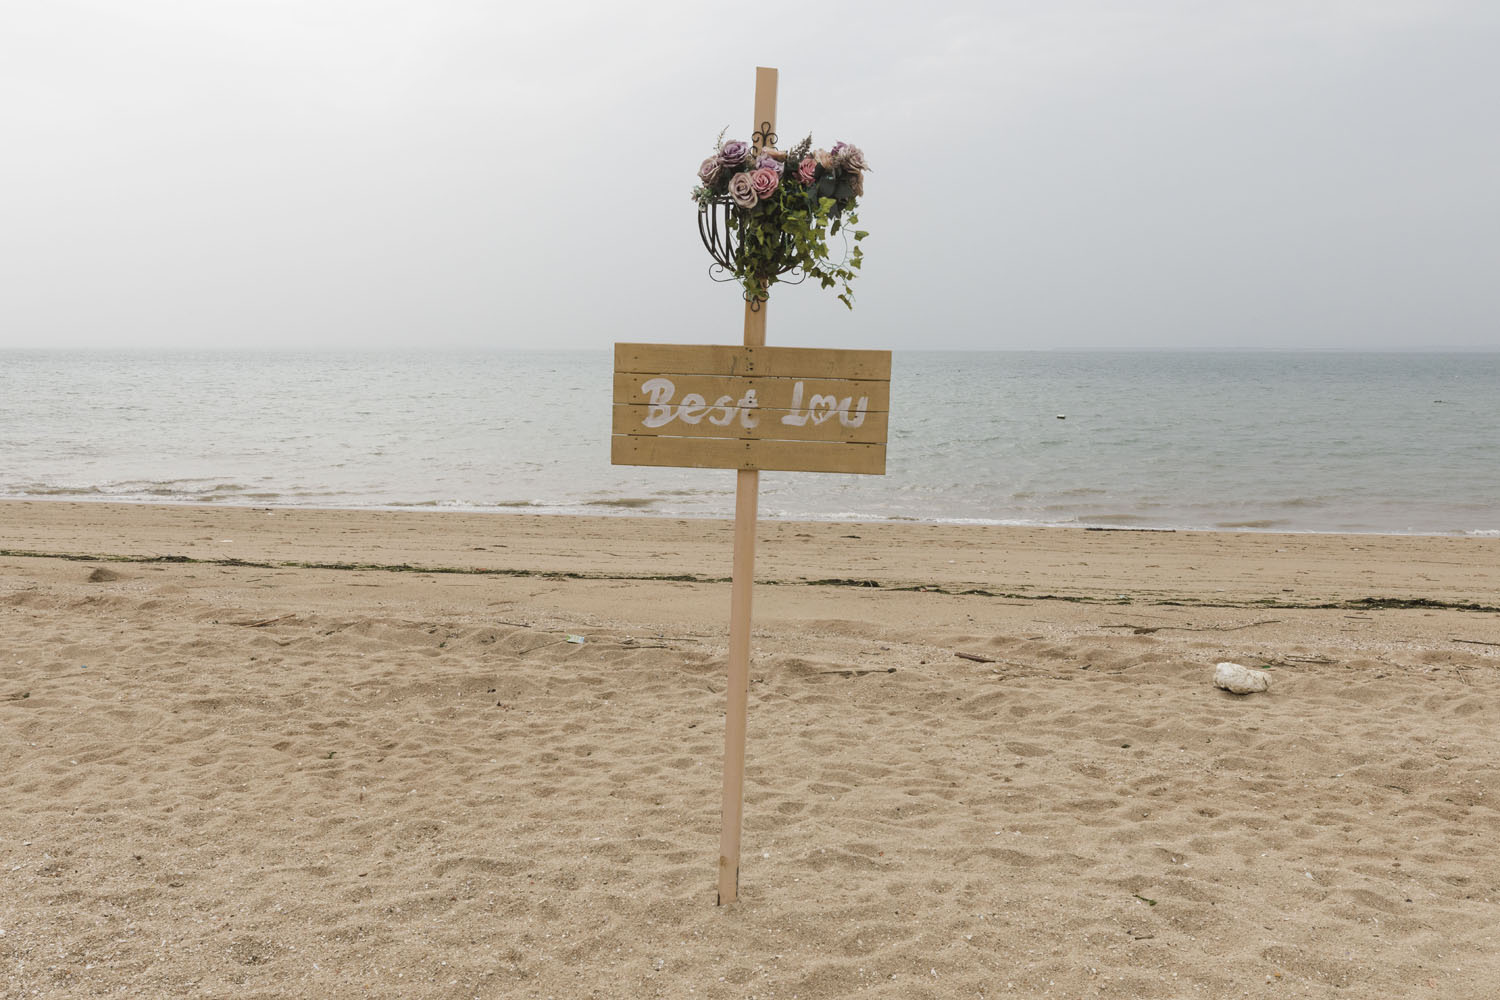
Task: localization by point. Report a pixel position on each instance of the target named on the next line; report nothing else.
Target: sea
(1249, 441)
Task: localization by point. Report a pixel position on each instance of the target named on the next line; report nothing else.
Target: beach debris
(1239, 679)
(975, 657)
(102, 575)
(576, 639)
(263, 622)
(1153, 629)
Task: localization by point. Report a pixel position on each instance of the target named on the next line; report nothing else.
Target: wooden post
(773, 409)
(746, 501)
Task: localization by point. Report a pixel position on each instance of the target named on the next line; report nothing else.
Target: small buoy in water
(1062, 416)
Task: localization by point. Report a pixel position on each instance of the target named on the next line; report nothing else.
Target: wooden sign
(785, 408)
(748, 408)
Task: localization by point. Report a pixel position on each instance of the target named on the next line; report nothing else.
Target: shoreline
(635, 508)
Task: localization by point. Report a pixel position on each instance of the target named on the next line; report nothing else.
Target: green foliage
(791, 229)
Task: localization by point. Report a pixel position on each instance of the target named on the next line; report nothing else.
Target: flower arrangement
(784, 206)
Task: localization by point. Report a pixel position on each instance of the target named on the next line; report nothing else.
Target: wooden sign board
(791, 409)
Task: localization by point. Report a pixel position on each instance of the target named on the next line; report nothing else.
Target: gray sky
(455, 173)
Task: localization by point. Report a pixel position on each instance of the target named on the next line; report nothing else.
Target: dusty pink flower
(852, 157)
(709, 171)
(807, 170)
(823, 158)
(742, 191)
(764, 180)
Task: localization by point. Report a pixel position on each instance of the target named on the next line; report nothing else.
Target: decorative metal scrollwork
(720, 227)
(763, 138)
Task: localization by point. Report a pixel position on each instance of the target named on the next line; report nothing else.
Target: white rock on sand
(1241, 680)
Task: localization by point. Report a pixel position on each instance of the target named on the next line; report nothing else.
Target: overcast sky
(457, 173)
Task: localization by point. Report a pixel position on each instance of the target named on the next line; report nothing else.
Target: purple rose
(768, 162)
(742, 191)
(807, 170)
(764, 180)
(734, 152)
(838, 148)
(710, 170)
(851, 157)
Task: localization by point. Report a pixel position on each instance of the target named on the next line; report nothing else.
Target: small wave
(1259, 525)
(167, 490)
(631, 503)
(1299, 503)
(39, 490)
(164, 490)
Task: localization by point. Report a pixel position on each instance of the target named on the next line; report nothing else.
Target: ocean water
(1286, 441)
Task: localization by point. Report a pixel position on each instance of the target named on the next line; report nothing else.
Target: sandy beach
(291, 753)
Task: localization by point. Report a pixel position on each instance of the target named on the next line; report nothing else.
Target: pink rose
(741, 190)
(709, 171)
(807, 170)
(764, 180)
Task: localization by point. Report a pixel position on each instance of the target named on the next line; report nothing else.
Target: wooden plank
(724, 453)
(784, 362)
(768, 391)
(629, 419)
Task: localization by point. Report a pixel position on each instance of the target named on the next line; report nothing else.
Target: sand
(275, 753)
